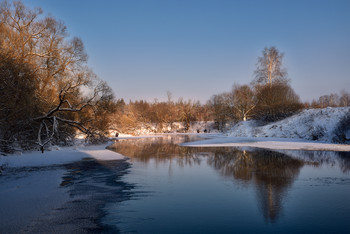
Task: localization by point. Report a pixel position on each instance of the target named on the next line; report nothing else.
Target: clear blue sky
(197, 48)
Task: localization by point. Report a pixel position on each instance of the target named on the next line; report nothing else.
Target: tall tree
(269, 67)
(63, 92)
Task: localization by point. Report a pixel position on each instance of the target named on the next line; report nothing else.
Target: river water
(228, 190)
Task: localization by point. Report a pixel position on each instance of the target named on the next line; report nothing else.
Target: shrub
(342, 131)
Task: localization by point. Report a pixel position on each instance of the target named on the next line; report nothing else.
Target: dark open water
(228, 190)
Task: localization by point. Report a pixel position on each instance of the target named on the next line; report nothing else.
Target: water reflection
(160, 149)
(344, 159)
(319, 158)
(271, 173)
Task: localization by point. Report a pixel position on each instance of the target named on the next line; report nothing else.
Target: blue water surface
(229, 190)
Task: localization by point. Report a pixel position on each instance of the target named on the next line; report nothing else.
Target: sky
(198, 48)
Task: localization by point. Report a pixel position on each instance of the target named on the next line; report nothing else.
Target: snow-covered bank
(312, 124)
(268, 143)
(100, 152)
(312, 129)
(60, 156)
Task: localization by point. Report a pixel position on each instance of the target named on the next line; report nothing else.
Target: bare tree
(276, 102)
(220, 110)
(188, 114)
(36, 51)
(18, 100)
(344, 98)
(244, 101)
(269, 67)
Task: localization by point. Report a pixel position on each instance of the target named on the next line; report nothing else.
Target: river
(223, 190)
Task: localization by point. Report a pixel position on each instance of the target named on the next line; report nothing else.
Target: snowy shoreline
(268, 143)
(59, 156)
(311, 129)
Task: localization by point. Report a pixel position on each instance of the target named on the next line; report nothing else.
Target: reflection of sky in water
(182, 189)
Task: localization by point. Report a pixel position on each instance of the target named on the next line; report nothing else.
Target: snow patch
(104, 154)
(60, 156)
(268, 143)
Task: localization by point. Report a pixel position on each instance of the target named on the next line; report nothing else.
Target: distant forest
(48, 94)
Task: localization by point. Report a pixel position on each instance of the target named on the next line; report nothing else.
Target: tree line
(158, 116)
(331, 100)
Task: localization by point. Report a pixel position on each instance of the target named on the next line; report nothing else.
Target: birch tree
(269, 67)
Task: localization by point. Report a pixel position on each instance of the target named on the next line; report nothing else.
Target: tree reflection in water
(271, 172)
(319, 158)
(274, 174)
(159, 149)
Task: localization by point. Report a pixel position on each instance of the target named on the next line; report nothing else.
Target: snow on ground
(297, 132)
(101, 153)
(312, 124)
(268, 143)
(59, 156)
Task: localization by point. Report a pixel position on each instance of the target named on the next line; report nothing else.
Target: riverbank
(60, 191)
